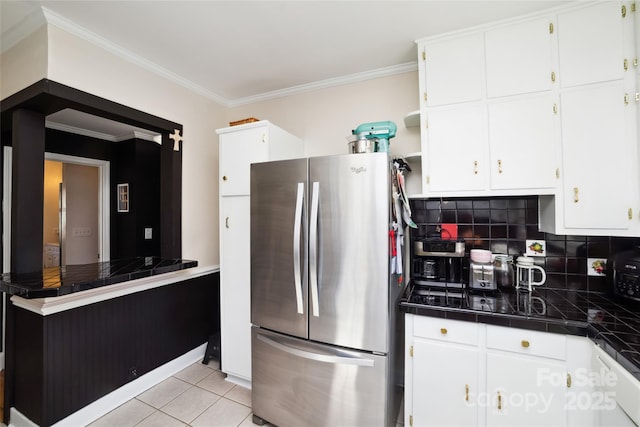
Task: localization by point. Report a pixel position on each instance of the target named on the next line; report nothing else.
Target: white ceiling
(237, 52)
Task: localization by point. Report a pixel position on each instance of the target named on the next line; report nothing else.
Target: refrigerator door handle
(297, 226)
(336, 360)
(313, 249)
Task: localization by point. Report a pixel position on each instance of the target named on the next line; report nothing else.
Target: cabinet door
(525, 391)
(599, 157)
(445, 384)
(454, 70)
(457, 149)
(525, 142)
(237, 151)
(590, 44)
(235, 290)
(519, 58)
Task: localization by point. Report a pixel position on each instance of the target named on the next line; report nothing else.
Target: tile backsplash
(504, 224)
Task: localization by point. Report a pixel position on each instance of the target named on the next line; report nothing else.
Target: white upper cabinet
(600, 158)
(591, 44)
(251, 143)
(525, 142)
(519, 58)
(457, 149)
(454, 70)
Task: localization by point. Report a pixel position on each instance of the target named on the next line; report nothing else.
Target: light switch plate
(148, 233)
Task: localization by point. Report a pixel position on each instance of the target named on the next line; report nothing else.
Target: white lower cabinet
(525, 391)
(444, 360)
(470, 374)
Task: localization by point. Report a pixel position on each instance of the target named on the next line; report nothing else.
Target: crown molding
(324, 84)
(65, 24)
(104, 136)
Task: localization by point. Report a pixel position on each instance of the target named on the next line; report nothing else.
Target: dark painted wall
(67, 360)
(134, 161)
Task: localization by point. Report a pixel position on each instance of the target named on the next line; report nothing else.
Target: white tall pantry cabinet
(239, 147)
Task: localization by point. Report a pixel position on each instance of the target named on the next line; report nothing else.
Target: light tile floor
(197, 396)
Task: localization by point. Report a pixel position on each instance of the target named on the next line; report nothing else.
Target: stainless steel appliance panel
(349, 250)
(278, 246)
(302, 383)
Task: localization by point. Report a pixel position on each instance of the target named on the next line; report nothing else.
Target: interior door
(349, 251)
(278, 246)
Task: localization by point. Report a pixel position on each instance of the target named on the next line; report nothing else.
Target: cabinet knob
(224, 178)
(525, 343)
(443, 331)
(555, 108)
(553, 76)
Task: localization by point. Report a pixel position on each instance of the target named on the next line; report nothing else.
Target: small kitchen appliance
(626, 274)
(380, 132)
(437, 263)
(525, 274)
(481, 271)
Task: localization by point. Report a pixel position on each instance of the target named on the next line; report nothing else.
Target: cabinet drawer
(523, 341)
(455, 331)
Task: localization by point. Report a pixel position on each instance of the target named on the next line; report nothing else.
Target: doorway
(102, 230)
(71, 214)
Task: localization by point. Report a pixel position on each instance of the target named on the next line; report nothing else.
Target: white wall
(323, 118)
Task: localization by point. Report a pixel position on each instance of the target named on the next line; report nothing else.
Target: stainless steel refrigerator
(327, 335)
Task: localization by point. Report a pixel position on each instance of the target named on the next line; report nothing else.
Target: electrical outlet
(148, 233)
(81, 232)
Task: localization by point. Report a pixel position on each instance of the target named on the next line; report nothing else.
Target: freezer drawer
(301, 383)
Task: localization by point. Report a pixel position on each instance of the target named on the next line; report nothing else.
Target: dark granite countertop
(57, 281)
(612, 323)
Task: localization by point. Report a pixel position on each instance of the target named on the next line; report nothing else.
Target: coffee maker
(438, 263)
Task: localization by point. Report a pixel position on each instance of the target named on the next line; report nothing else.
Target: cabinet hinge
(630, 213)
(551, 28)
(633, 7)
(625, 64)
(411, 351)
(411, 420)
(424, 55)
(425, 97)
(427, 180)
(635, 62)
(558, 173)
(637, 96)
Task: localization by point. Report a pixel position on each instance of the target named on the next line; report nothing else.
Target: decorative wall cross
(176, 139)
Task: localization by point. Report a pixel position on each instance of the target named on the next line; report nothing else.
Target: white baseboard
(111, 401)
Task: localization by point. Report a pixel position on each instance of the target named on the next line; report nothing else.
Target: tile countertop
(611, 323)
(58, 281)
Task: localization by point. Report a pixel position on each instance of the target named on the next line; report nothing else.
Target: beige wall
(322, 118)
(24, 64)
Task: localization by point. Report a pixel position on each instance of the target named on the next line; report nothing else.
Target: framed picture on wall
(123, 197)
